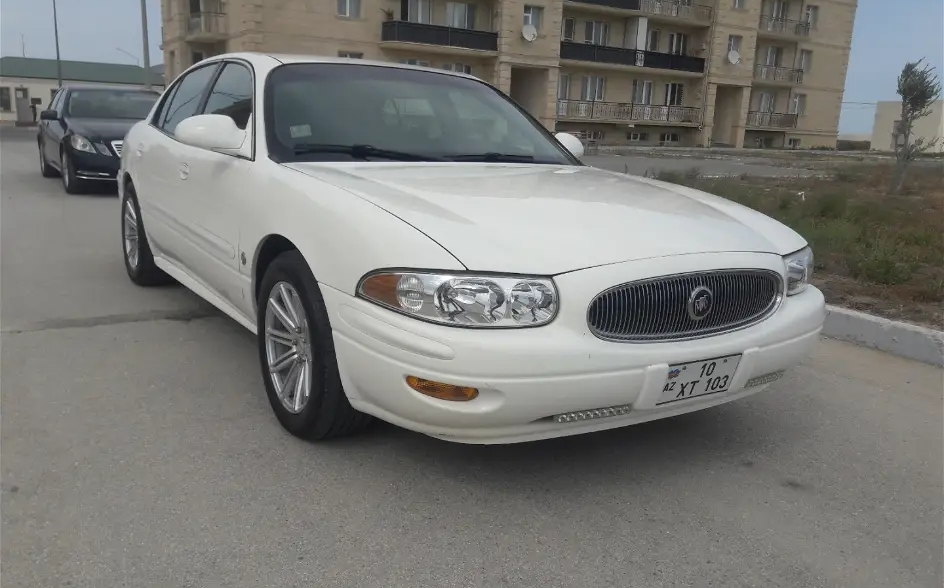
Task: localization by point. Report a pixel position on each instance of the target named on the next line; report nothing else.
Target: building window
(794, 143)
(6, 105)
(642, 92)
(568, 27)
(678, 43)
(773, 56)
(592, 88)
(420, 11)
(196, 57)
(349, 8)
(595, 135)
(652, 41)
(738, 4)
(806, 60)
(596, 32)
(637, 137)
(666, 138)
(811, 16)
(350, 55)
(563, 87)
(415, 62)
(460, 15)
(673, 94)
(533, 16)
(798, 104)
(767, 102)
(734, 43)
(458, 67)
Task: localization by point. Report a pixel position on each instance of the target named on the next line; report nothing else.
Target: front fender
(340, 235)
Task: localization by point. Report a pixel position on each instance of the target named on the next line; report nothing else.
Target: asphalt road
(138, 449)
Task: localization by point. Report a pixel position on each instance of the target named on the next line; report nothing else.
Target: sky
(887, 34)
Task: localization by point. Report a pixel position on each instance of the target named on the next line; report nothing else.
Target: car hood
(102, 128)
(549, 220)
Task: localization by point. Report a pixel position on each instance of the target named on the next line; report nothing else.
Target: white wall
(39, 88)
(929, 127)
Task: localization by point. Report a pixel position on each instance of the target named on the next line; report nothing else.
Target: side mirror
(215, 132)
(49, 115)
(571, 143)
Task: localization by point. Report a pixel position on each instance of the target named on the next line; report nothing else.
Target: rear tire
(139, 262)
(294, 336)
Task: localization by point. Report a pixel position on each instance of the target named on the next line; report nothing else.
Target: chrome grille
(657, 309)
(116, 145)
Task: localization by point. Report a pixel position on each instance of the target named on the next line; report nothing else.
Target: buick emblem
(699, 303)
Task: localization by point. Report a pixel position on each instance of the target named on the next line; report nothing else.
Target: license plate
(698, 378)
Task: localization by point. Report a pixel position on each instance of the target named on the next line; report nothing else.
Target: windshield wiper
(493, 157)
(361, 152)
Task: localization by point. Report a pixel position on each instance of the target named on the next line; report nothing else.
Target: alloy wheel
(129, 230)
(288, 347)
(64, 166)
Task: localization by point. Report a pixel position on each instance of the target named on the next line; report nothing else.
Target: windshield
(314, 110)
(130, 104)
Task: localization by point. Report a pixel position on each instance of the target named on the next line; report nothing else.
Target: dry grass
(874, 252)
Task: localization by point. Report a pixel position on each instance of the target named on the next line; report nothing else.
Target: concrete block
(894, 337)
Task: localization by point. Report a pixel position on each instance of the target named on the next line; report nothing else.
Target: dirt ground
(875, 252)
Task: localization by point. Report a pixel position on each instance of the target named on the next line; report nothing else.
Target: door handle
(184, 171)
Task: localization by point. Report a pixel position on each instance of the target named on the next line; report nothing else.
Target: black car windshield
(129, 104)
(340, 112)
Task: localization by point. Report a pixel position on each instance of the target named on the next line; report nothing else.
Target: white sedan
(409, 244)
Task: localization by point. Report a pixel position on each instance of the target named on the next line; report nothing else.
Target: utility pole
(22, 44)
(55, 24)
(147, 51)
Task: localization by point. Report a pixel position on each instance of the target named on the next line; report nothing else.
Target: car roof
(257, 58)
(70, 87)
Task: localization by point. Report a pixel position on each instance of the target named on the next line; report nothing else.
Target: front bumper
(526, 376)
(95, 166)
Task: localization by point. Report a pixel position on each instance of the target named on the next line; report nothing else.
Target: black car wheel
(44, 168)
(296, 352)
(71, 184)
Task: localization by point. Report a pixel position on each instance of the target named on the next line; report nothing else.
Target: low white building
(887, 117)
(27, 80)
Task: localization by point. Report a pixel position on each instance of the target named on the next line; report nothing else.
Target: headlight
(799, 270)
(80, 143)
(464, 300)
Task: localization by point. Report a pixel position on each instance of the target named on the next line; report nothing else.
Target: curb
(897, 338)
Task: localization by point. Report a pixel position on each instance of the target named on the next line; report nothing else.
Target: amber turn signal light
(442, 391)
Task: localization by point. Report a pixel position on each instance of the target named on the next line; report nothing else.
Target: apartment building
(751, 73)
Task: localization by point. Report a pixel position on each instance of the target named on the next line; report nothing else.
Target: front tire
(139, 262)
(44, 168)
(70, 182)
(296, 354)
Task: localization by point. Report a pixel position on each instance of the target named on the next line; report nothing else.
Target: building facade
(26, 81)
(885, 134)
(741, 73)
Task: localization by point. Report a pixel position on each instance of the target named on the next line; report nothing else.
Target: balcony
(400, 31)
(778, 75)
(771, 120)
(783, 27)
(696, 12)
(627, 112)
(630, 57)
(205, 26)
(679, 9)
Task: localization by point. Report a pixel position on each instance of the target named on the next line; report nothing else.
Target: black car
(81, 133)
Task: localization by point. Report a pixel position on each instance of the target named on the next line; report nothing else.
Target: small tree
(919, 88)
